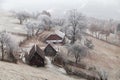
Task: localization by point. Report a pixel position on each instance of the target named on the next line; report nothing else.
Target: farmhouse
(36, 57)
(56, 38)
(50, 50)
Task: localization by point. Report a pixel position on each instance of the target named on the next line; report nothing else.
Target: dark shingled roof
(34, 49)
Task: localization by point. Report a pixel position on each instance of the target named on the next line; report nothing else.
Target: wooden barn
(56, 38)
(36, 57)
(50, 50)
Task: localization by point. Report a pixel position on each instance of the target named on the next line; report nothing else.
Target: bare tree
(118, 34)
(76, 24)
(34, 27)
(92, 28)
(22, 16)
(46, 13)
(77, 51)
(59, 21)
(35, 15)
(95, 29)
(106, 32)
(118, 28)
(30, 28)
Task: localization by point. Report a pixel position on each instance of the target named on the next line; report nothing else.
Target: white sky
(96, 8)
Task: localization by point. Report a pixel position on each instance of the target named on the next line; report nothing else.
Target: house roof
(34, 49)
(54, 37)
(59, 33)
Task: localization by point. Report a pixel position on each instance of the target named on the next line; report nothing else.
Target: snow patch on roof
(59, 33)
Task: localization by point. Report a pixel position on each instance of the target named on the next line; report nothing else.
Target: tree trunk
(2, 52)
(106, 38)
(73, 40)
(12, 57)
(96, 35)
(76, 61)
(21, 21)
(37, 31)
(92, 33)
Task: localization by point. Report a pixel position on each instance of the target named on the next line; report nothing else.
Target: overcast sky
(97, 8)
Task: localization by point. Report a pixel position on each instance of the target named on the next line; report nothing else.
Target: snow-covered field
(10, 23)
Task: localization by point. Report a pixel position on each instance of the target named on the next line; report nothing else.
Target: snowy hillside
(9, 23)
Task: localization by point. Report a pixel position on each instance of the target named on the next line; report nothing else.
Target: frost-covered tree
(22, 16)
(35, 15)
(4, 38)
(105, 32)
(59, 21)
(46, 22)
(33, 27)
(77, 51)
(75, 24)
(44, 12)
(103, 74)
(8, 45)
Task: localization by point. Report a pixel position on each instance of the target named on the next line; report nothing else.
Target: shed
(50, 50)
(36, 57)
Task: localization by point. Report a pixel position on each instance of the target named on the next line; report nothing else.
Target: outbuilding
(50, 50)
(36, 57)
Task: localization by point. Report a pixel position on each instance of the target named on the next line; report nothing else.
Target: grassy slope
(9, 71)
(105, 56)
(9, 23)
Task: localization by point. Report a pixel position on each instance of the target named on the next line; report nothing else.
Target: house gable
(50, 51)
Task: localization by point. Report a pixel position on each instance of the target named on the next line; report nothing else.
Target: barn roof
(54, 37)
(34, 49)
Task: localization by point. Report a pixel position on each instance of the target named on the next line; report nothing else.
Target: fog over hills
(103, 9)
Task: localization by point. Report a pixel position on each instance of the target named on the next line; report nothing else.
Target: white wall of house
(52, 41)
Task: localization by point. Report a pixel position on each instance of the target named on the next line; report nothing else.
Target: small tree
(3, 39)
(118, 28)
(8, 45)
(77, 51)
(103, 75)
(105, 32)
(118, 34)
(35, 15)
(22, 16)
(46, 13)
(59, 21)
(46, 22)
(33, 27)
(95, 29)
(92, 28)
